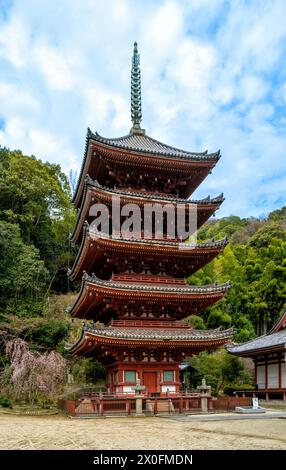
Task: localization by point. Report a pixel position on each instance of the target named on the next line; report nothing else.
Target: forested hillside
(255, 263)
(36, 218)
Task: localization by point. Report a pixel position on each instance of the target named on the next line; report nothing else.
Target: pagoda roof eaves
(157, 333)
(188, 289)
(142, 144)
(185, 247)
(164, 199)
(148, 145)
(172, 198)
(118, 289)
(87, 138)
(164, 336)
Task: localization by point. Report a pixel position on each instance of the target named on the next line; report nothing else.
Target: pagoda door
(150, 381)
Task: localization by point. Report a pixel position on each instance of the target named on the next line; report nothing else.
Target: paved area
(228, 416)
(58, 432)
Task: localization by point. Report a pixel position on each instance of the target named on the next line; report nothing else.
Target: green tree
(23, 276)
(36, 196)
(219, 369)
(255, 263)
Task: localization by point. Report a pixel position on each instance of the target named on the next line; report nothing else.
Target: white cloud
(15, 99)
(105, 108)
(164, 28)
(14, 41)
(54, 66)
(192, 63)
(252, 89)
(213, 76)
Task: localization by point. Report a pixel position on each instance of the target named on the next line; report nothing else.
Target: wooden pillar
(255, 370)
(266, 372)
(279, 370)
(155, 406)
(177, 375)
(128, 407)
(158, 380)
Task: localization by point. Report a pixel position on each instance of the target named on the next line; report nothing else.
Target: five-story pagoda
(134, 292)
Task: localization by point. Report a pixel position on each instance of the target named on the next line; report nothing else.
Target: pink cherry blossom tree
(34, 374)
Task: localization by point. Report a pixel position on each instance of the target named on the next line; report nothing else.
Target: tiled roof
(159, 333)
(207, 200)
(155, 288)
(146, 144)
(183, 245)
(263, 342)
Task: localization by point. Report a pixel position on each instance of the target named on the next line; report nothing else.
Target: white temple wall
(273, 376)
(261, 376)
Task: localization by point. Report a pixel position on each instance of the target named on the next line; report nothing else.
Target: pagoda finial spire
(136, 112)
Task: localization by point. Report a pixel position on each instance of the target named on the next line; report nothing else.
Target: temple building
(134, 294)
(269, 355)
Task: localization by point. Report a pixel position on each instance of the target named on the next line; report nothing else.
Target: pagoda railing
(150, 323)
(146, 236)
(148, 278)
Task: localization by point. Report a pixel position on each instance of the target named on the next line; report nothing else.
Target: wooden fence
(103, 405)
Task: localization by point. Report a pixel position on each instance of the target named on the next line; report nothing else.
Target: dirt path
(56, 432)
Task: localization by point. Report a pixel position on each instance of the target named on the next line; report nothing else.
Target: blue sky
(213, 76)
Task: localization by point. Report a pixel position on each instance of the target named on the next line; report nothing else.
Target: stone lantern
(205, 394)
(139, 397)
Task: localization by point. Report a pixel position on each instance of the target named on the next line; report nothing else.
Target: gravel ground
(58, 432)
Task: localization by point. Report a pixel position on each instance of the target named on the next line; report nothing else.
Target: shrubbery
(231, 388)
(5, 401)
(220, 369)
